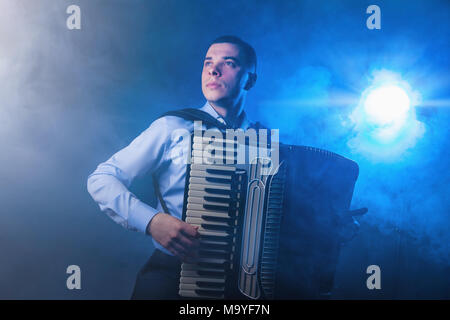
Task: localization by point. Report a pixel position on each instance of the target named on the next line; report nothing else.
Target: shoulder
(167, 123)
(165, 130)
(170, 123)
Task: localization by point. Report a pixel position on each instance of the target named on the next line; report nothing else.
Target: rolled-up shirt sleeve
(108, 184)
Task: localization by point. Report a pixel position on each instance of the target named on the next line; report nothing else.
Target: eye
(207, 63)
(230, 63)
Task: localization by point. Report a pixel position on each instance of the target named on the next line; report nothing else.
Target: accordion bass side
(265, 236)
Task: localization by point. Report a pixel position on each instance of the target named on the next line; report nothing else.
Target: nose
(214, 70)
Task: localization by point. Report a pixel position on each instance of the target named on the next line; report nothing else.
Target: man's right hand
(175, 235)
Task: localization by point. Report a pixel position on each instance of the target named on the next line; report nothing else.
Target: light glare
(387, 105)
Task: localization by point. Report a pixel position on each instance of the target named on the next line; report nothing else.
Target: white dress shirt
(159, 150)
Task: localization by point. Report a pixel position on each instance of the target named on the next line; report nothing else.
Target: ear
(250, 81)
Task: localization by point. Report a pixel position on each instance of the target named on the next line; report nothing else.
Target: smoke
(71, 98)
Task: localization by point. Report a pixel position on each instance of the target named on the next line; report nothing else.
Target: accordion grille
(272, 228)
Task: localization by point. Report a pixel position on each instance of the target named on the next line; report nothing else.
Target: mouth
(213, 85)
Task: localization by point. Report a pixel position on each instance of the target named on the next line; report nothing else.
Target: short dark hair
(246, 49)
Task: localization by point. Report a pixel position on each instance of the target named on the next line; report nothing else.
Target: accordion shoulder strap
(159, 195)
(192, 114)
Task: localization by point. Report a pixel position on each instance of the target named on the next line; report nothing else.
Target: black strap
(159, 195)
(191, 114)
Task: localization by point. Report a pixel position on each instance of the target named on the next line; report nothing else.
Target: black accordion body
(265, 236)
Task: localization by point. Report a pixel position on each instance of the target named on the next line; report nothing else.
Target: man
(229, 71)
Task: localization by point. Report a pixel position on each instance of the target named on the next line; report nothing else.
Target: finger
(178, 254)
(178, 248)
(190, 231)
(191, 248)
(186, 242)
(172, 250)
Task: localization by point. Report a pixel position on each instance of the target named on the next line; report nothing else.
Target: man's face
(224, 74)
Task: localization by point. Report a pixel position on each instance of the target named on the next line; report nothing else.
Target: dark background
(72, 98)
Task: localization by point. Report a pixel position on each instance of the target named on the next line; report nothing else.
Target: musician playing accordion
(229, 72)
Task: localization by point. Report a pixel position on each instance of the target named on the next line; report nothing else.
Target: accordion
(264, 236)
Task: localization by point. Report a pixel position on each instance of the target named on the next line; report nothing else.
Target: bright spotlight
(387, 105)
(385, 120)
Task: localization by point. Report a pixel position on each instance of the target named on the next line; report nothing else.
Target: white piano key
(206, 158)
(197, 153)
(192, 280)
(205, 174)
(202, 193)
(203, 167)
(194, 294)
(194, 220)
(219, 150)
(203, 201)
(210, 184)
(217, 261)
(193, 286)
(196, 206)
(218, 242)
(200, 274)
(201, 213)
(202, 186)
(219, 233)
(205, 232)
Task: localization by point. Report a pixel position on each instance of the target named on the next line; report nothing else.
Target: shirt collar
(209, 109)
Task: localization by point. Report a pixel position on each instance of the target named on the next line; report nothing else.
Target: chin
(214, 97)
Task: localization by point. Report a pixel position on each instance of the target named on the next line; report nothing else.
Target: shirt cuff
(140, 216)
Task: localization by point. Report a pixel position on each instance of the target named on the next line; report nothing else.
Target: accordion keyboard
(213, 206)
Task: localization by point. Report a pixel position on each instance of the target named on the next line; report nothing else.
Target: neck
(229, 111)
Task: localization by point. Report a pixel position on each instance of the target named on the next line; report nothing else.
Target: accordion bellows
(265, 236)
